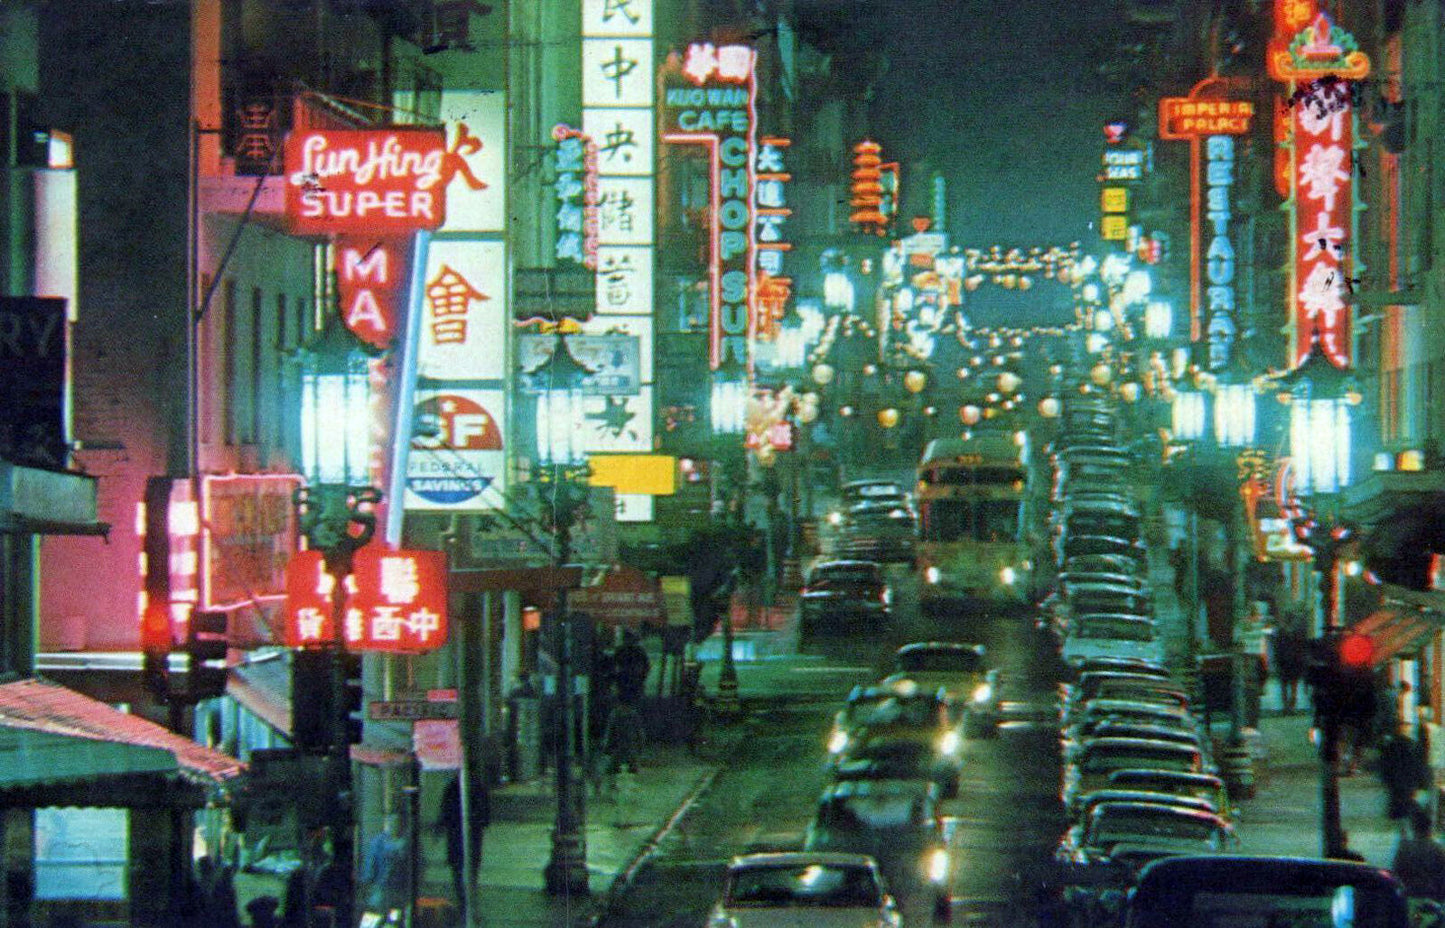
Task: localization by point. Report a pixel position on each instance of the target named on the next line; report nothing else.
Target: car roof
(846, 564)
(1119, 728)
(915, 646)
(1179, 776)
(1109, 663)
(1146, 796)
(1137, 744)
(882, 786)
(1106, 705)
(800, 858)
(1174, 877)
(1103, 809)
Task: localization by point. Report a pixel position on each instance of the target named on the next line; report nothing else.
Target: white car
(805, 889)
(1093, 636)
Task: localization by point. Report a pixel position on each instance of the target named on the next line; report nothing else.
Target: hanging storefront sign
(1208, 123)
(396, 601)
(624, 281)
(372, 276)
(382, 182)
(770, 207)
(248, 535)
(611, 360)
(34, 347)
(1320, 62)
(709, 100)
(576, 194)
(455, 461)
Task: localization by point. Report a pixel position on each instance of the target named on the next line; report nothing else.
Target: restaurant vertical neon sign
(1319, 63)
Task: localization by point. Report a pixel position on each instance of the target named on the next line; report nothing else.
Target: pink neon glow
(714, 261)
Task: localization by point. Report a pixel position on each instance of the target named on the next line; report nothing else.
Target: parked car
(1088, 685)
(962, 670)
(804, 889)
(1127, 664)
(1114, 728)
(1139, 832)
(887, 536)
(1087, 803)
(1110, 635)
(1229, 889)
(843, 591)
(1093, 711)
(1089, 769)
(894, 821)
(1205, 786)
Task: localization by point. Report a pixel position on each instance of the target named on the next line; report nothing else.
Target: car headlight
(983, 692)
(1008, 575)
(949, 743)
(935, 865)
(932, 574)
(721, 920)
(837, 741)
(835, 518)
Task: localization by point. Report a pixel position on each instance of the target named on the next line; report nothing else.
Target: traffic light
(315, 713)
(206, 645)
(1343, 677)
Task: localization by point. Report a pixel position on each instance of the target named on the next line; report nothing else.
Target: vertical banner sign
(372, 274)
(1319, 63)
(710, 100)
(576, 193)
(1209, 124)
(770, 202)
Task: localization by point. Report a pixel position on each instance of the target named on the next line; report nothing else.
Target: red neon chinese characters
(1324, 197)
(396, 601)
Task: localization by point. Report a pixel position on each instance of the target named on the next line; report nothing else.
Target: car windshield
(1114, 825)
(843, 576)
(892, 710)
(1120, 630)
(803, 885)
(1160, 759)
(1344, 905)
(949, 660)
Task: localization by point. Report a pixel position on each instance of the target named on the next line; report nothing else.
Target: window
(81, 853)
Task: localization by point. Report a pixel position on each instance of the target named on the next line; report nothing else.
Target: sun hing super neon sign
(712, 101)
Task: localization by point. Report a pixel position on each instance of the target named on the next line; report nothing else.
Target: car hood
(806, 917)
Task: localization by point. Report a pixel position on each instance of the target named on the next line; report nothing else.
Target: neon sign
(1219, 255)
(716, 108)
(576, 197)
(378, 182)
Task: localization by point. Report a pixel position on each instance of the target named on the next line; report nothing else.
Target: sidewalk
(1284, 815)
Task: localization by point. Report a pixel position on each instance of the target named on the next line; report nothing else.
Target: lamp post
(335, 514)
(559, 483)
(1319, 396)
(729, 414)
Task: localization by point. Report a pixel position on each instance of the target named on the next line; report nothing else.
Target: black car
(839, 592)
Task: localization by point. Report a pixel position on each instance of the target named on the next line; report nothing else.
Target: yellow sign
(1115, 199)
(1114, 228)
(651, 474)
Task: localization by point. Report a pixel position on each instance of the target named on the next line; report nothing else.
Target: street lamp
(335, 512)
(558, 382)
(559, 481)
(1319, 396)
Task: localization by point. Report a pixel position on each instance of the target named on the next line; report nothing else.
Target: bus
(973, 507)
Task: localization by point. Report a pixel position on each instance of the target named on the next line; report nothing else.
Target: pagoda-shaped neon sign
(1318, 50)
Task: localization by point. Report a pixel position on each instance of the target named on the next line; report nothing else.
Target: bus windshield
(991, 520)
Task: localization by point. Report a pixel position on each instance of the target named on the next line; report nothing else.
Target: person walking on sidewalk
(1420, 861)
(1403, 770)
(456, 827)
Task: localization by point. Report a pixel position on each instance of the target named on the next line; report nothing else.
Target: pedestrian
(262, 912)
(454, 824)
(631, 666)
(1403, 771)
(384, 874)
(1291, 657)
(1419, 861)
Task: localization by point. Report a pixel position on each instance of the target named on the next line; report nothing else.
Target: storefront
(97, 808)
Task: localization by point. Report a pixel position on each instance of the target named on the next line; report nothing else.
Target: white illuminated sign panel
(476, 194)
(616, 423)
(464, 311)
(624, 140)
(617, 18)
(617, 72)
(639, 327)
(624, 211)
(624, 281)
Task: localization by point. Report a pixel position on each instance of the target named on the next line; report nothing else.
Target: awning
(1406, 620)
(44, 502)
(59, 747)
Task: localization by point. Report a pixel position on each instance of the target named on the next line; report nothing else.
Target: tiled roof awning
(1406, 620)
(51, 736)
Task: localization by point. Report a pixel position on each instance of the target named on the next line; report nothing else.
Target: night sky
(1004, 98)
